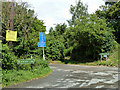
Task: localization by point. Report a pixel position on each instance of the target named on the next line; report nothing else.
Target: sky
(54, 12)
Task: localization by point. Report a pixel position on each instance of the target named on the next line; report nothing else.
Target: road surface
(76, 76)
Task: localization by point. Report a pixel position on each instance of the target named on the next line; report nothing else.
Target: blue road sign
(42, 37)
(41, 44)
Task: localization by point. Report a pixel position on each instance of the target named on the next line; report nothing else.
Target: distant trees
(86, 37)
(77, 11)
(55, 42)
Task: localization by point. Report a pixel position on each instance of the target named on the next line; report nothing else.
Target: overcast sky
(57, 11)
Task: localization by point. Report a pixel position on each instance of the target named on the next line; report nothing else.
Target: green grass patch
(14, 76)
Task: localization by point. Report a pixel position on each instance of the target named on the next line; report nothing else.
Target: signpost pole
(42, 42)
(43, 54)
(101, 57)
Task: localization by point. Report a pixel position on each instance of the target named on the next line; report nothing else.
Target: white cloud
(49, 22)
(57, 11)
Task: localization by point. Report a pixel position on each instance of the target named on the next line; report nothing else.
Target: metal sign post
(104, 55)
(43, 54)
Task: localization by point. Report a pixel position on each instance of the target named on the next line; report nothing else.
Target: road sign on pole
(42, 37)
(42, 42)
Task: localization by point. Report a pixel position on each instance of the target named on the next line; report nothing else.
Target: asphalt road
(76, 76)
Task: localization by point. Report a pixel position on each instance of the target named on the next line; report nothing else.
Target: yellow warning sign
(11, 35)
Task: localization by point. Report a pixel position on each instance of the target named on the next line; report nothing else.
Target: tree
(55, 42)
(111, 13)
(89, 37)
(60, 29)
(77, 11)
(27, 26)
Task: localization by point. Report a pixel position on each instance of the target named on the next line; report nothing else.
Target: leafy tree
(111, 13)
(55, 43)
(9, 59)
(27, 26)
(90, 37)
(77, 11)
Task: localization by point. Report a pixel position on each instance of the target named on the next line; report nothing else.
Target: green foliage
(54, 49)
(27, 26)
(89, 37)
(12, 76)
(55, 43)
(77, 11)
(24, 72)
(9, 60)
(40, 62)
(111, 13)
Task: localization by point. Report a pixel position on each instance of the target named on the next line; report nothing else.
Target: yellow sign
(11, 35)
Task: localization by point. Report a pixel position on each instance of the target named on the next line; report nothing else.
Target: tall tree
(27, 26)
(89, 37)
(77, 11)
(112, 15)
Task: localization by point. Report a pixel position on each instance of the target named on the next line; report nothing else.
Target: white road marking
(55, 85)
(100, 86)
(115, 79)
(100, 73)
(59, 70)
(67, 70)
(94, 81)
(80, 80)
(83, 84)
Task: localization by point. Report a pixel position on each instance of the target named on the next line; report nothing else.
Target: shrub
(9, 60)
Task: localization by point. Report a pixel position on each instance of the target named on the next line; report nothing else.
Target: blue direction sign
(41, 44)
(42, 37)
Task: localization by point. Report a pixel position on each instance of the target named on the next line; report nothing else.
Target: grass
(11, 77)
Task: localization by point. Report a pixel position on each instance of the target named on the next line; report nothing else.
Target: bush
(9, 60)
(40, 62)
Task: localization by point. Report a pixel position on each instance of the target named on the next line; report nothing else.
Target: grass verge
(11, 77)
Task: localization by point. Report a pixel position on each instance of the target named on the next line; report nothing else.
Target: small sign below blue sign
(41, 44)
(42, 37)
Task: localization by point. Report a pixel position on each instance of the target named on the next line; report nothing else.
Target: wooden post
(11, 20)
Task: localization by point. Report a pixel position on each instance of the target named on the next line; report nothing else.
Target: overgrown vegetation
(81, 41)
(28, 27)
(87, 35)
(25, 73)
(113, 60)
